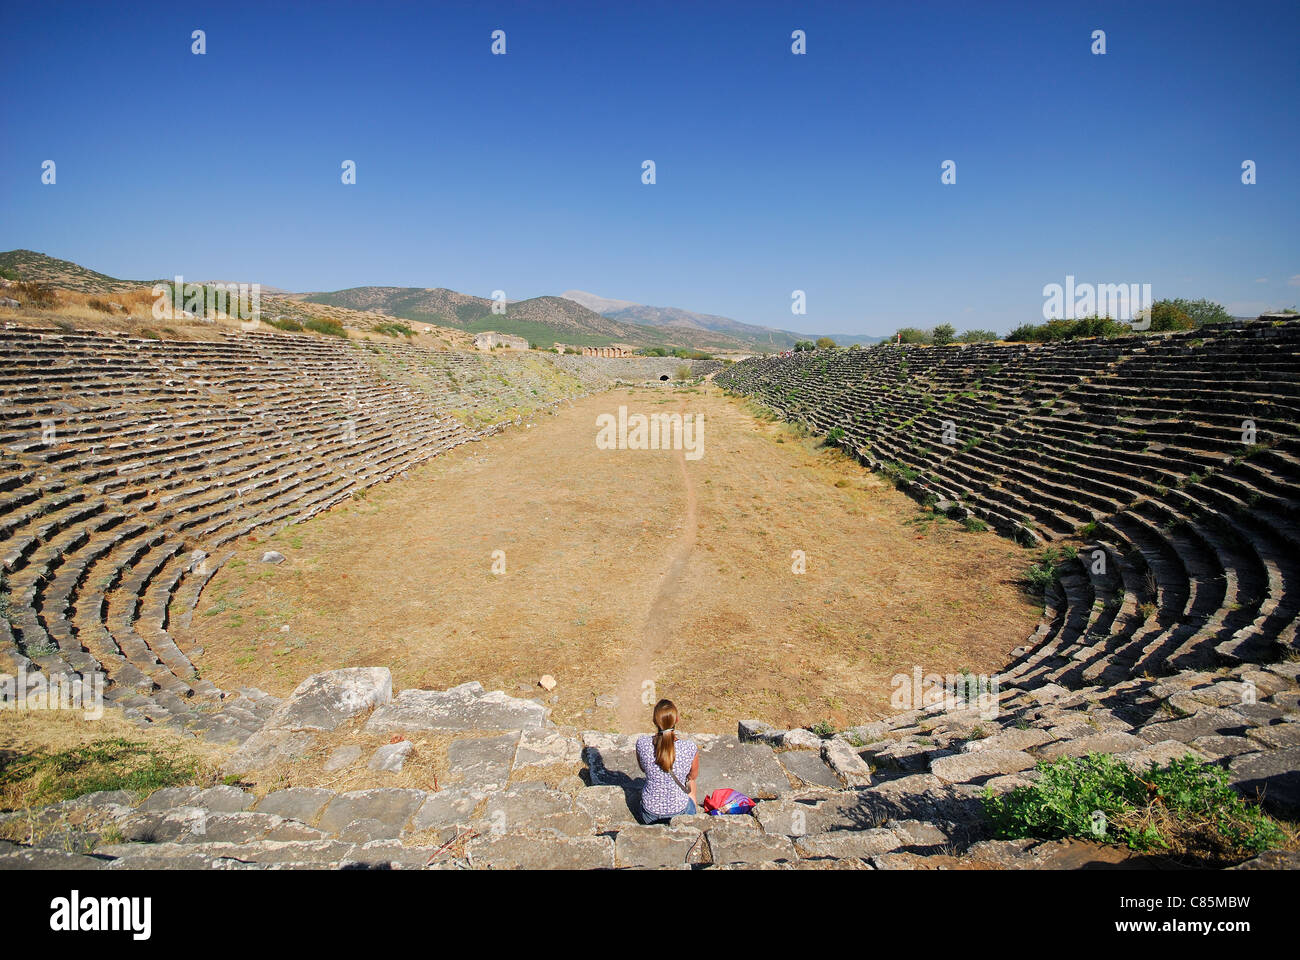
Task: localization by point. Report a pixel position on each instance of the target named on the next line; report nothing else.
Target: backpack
(726, 800)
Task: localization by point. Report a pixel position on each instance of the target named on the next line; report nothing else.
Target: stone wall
(631, 369)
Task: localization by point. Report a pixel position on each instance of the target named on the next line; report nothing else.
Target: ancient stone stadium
(166, 514)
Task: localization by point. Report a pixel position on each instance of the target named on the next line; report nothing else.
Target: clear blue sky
(775, 172)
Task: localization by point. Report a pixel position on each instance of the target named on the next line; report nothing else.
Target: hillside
(751, 336)
(577, 318)
(38, 268)
(541, 320)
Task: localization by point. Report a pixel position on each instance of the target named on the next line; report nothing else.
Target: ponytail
(665, 717)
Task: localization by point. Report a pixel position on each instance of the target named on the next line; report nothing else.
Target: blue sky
(775, 172)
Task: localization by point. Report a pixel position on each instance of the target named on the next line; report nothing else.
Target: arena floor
(627, 566)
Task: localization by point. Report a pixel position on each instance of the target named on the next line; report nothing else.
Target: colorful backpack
(727, 800)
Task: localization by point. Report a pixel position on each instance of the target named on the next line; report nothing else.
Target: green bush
(286, 323)
(1056, 330)
(913, 335)
(942, 334)
(1198, 311)
(331, 328)
(825, 729)
(1185, 806)
(394, 330)
(1165, 315)
(1043, 573)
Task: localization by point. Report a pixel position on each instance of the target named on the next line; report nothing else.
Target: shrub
(898, 472)
(1200, 312)
(37, 294)
(835, 435)
(683, 372)
(803, 345)
(977, 336)
(394, 330)
(942, 334)
(331, 328)
(1042, 574)
(286, 323)
(1056, 330)
(1165, 315)
(1185, 806)
(912, 335)
(825, 343)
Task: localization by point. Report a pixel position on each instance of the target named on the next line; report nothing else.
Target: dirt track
(623, 566)
(636, 699)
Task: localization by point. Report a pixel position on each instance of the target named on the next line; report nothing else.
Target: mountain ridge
(754, 335)
(542, 320)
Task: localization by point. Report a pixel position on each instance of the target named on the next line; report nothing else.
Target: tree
(1166, 315)
(1200, 312)
(913, 335)
(825, 343)
(977, 336)
(803, 345)
(943, 334)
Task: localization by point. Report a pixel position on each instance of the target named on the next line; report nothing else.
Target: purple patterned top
(661, 797)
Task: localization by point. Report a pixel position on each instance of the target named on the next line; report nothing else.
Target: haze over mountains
(576, 317)
(757, 336)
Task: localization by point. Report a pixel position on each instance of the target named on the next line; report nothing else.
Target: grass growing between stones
(1184, 808)
(115, 764)
(48, 756)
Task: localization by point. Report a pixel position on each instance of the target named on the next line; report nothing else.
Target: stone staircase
(129, 466)
(164, 454)
(902, 793)
(1182, 526)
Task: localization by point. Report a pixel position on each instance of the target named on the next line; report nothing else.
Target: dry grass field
(623, 567)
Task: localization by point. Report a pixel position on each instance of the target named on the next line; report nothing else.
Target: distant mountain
(603, 305)
(541, 320)
(753, 337)
(578, 318)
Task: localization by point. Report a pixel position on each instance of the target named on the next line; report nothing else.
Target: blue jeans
(650, 819)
